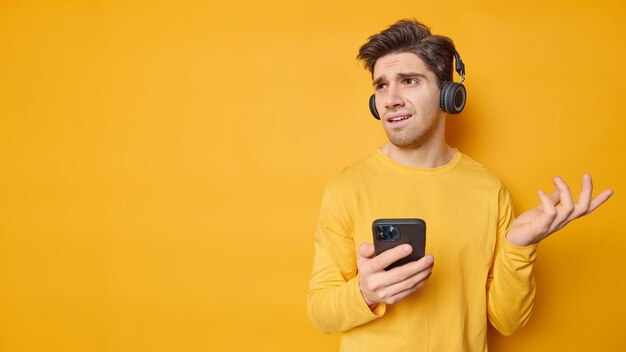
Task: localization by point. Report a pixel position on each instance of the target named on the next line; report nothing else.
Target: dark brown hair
(409, 35)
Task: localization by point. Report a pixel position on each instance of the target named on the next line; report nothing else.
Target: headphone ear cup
(453, 97)
(373, 107)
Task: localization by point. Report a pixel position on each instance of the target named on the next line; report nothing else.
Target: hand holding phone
(377, 283)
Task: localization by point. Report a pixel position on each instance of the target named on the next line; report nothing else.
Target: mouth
(398, 118)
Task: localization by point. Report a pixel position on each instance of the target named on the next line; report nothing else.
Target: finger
(366, 250)
(384, 284)
(398, 296)
(390, 256)
(548, 213)
(567, 204)
(405, 271)
(398, 291)
(555, 198)
(423, 263)
(599, 199)
(584, 199)
(547, 205)
(566, 199)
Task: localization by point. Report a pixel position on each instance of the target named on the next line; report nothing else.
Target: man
(484, 256)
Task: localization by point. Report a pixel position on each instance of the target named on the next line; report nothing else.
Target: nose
(393, 99)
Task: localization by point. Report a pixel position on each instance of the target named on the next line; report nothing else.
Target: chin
(408, 142)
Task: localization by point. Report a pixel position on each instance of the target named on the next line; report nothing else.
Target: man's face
(407, 99)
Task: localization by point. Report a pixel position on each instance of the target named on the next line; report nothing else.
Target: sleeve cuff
(520, 251)
(518, 257)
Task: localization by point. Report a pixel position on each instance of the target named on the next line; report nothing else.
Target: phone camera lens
(393, 232)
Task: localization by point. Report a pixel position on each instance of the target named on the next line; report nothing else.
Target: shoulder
(481, 179)
(341, 194)
(474, 172)
(352, 176)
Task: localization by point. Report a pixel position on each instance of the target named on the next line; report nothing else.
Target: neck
(424, 156)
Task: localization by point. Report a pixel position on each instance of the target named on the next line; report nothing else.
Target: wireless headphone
(452, 96)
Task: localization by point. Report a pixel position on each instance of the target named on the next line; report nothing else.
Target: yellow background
(162, 163)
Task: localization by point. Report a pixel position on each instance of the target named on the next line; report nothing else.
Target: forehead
(392, 64)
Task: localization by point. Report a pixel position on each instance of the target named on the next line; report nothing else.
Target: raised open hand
(555, 211)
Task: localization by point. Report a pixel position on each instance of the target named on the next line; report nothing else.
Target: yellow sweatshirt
(477, 273)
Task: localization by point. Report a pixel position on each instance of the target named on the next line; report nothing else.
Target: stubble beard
(412, 137)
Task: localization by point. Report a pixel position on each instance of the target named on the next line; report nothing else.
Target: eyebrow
(401, 75)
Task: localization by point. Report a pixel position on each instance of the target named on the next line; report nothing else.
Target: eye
(380, 86)
(411, 81)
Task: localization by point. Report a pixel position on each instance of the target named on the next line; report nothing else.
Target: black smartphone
(389, 233)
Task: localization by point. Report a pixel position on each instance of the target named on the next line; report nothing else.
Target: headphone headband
(459, 66)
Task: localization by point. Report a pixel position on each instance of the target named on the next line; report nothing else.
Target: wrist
(519, 242)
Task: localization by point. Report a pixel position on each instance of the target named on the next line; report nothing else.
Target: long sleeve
(510, 285)
(335, 303)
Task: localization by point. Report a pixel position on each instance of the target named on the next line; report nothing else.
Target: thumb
(366, 250)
